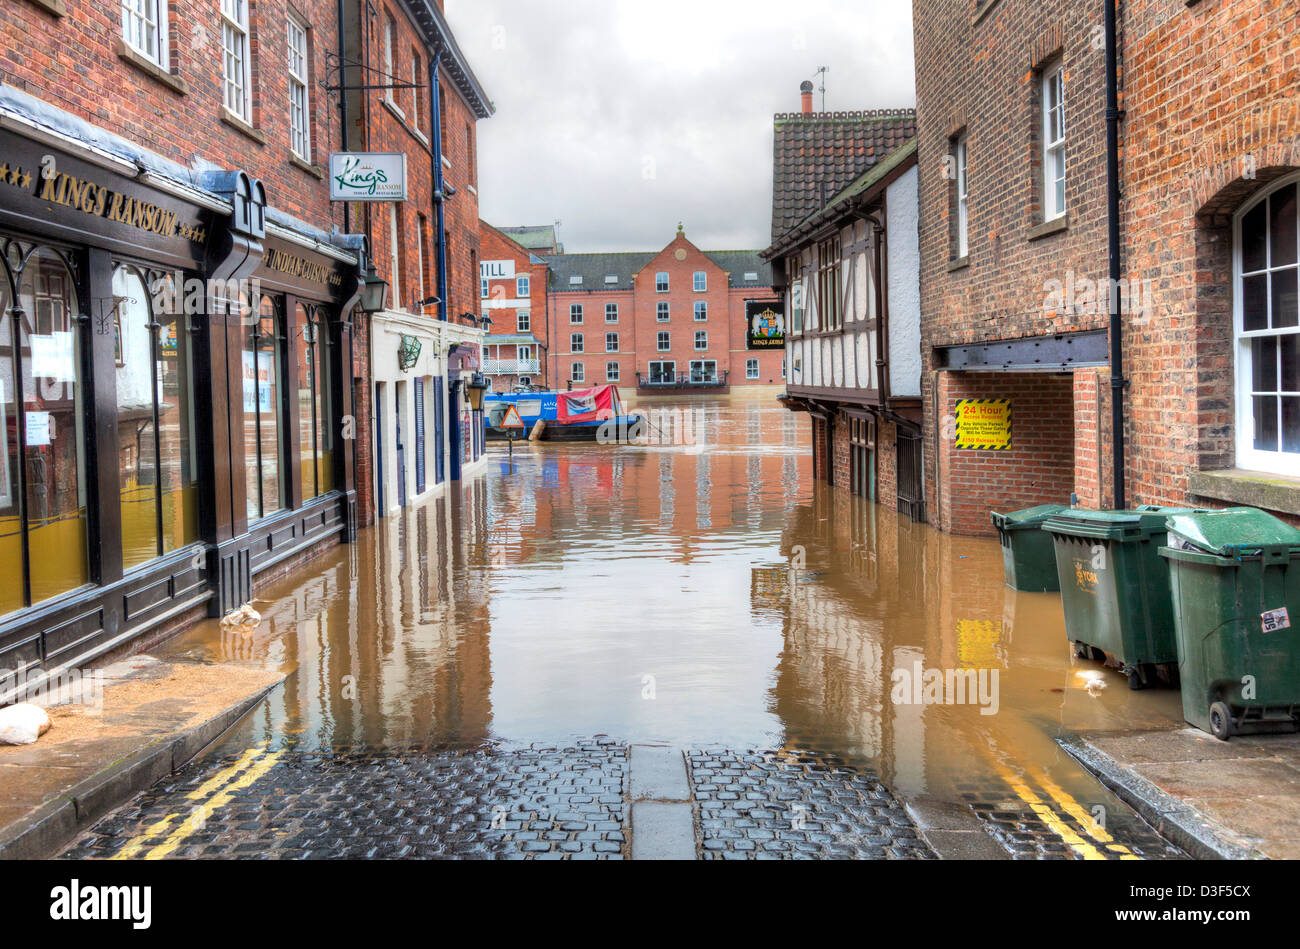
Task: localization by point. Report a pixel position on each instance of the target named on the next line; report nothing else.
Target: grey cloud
(622, 118)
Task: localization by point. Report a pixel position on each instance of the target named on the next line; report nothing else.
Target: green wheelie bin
(1115, 589)
(1235, 578)
(1028, 556)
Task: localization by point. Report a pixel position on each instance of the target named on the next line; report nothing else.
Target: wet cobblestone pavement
(1036, 820)
(475, 802)
(788, 805)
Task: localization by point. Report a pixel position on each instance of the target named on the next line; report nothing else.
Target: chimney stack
(807, 91)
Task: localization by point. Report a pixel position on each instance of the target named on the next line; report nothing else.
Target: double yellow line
(1087, 846)
(156, 842)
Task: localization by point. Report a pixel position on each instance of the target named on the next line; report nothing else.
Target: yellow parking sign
(984, 424)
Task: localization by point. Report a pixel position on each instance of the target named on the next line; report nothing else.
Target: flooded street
(706, 596)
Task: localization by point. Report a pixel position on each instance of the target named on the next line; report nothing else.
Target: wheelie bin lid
(1110, 525)
(1238, 533)
(1031, 518)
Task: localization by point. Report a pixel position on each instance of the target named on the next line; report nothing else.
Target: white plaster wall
(904, 263)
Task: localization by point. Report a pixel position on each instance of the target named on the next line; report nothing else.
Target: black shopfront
(171, 400)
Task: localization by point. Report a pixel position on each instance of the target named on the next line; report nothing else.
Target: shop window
(264, 410)
(315, 437)
(43, 522)
(157, 470)
(1268, 333)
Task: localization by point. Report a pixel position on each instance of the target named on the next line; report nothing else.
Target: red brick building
(423, 349)
(175, 296)
(513, 286)
(1015, 286)
(666, 322)
(1211, 161)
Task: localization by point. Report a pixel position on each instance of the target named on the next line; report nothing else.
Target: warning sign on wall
(984, 424)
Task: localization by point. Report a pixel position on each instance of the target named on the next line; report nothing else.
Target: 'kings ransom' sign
(367, 176)
(983, 425)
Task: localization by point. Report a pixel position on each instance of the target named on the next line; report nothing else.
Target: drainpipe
(343, 104)
(439, 186)
(1117, 381)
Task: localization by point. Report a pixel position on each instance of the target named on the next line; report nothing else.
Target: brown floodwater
(706, 594)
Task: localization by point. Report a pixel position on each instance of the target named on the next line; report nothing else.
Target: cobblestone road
(788, 805)
(566, 802)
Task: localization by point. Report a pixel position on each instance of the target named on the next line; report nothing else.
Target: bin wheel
(1082, 652)
(1136, 682)
(1221, 726)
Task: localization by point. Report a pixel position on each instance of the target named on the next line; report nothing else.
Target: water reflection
(702, 594)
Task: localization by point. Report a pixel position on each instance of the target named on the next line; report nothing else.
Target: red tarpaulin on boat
(588, 405)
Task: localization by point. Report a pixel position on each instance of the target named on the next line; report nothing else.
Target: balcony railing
(682, 380)
(512, 367)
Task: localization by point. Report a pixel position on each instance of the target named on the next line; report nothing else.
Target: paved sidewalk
(152, 719)
(1231, 800)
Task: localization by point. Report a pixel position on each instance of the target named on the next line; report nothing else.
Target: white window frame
(662, 282)
(611, 342)
(144, 29)
(577, 344)
(236, 52)
(1054, 140)
(701, 341)
(578, 372)
(663, 312)
(613, 372)
(394, 247)
(484, 288)
(1249, 457)
(416, 67)
(611, 312)
(701, 311)
(963, 196)
(751, 369)
(390, 63)
(700, 281)
(299, 90)
(523, 321)
(700, 371)
(671, 368)
(575, 314)
(523, 287)
(663, 342)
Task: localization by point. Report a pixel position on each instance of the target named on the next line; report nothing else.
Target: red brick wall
(493, 245)
(840, 444)
(1212, 100)
(72, 62)
(1039, 467)
(981, 75)
(380, 128)
(887, 465)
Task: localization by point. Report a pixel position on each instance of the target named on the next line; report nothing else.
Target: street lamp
(474, 391)
(374, 291)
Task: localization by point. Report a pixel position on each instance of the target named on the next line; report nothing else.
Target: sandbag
(22, 724)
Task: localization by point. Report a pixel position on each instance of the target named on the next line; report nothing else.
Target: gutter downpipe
(343, 105)
(439, 195)
(1117, 381)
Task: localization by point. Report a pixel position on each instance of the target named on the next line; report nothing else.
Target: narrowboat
(575, 416)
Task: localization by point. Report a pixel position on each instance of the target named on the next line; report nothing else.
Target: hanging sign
(367, 176)
(765, 325)
(984, 425)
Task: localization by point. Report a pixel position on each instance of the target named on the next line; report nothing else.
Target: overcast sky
(621, 118)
